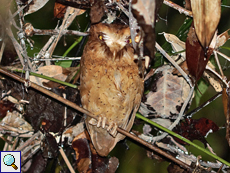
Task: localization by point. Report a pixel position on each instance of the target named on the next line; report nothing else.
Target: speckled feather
(110, 83)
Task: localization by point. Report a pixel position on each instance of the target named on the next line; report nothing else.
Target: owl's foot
(112, 128)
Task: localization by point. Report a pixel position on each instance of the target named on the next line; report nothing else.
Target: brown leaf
(59, 10)
(184, 67)
(172, 168)
(168, 92)
(226, 104)
(87, 158)
(206, 15)
(5, 106)
(195, 129)
(39, 163)
(97, 11)
(196, 57)
(53, 71)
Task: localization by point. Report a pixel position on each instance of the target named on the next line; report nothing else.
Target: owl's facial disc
(114, 42)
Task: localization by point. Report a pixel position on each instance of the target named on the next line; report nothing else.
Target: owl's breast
(110, 89)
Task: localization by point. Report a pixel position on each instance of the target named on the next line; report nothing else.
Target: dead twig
(178, 8)
(66, 160)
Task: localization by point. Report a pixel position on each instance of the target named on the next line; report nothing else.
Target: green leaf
(68, 63)
(201, 88)
(64, 64)
(223, 47)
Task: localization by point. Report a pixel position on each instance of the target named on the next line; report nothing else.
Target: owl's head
(114, 36)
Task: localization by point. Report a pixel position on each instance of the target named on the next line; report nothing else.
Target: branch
(178, 8)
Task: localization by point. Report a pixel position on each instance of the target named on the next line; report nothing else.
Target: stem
(48, 78)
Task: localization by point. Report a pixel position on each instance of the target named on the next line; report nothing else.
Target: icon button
(9, 160)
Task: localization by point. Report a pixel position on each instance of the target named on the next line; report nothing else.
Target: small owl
(110, 85)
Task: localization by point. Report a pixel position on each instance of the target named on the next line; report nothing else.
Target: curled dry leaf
(222, 38)
(12, 119)
(206, 16)
(196, 57)
(167, 93)
(176, 44)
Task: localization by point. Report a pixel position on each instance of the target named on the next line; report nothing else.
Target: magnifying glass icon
(9, 160)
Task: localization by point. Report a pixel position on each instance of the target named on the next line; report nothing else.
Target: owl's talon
(99, 122)
(93, 122)
(112, 129)
(104, 119)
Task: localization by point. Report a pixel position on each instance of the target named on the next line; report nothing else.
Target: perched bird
(110, 84)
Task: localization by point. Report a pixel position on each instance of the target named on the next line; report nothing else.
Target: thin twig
(19, 10)
(69, 16)
(15, 143)
(6, 140)
(162, 51)
(56, 32)
(217, 75)
(218, 63)
(178, 118)
(190, 114)
(178, 8)
(17, 46)
(2, 50)
(58, 59)
(66, 160)
(28, 141)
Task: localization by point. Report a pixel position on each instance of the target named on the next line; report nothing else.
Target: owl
(110, 85)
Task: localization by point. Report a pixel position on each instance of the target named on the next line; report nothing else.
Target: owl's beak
(114, 55)
(115, 49)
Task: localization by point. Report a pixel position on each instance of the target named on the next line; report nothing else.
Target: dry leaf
(59, 10)
(226, 104)
(97, 11)
(87, 158)
(54, 71)
(145, 12)
(167, 93)
(196, 57)
(12, 119)
(34, 6)
(184, 67)
(206, 15)
(222, 38)
(213, 80)
(176, 44)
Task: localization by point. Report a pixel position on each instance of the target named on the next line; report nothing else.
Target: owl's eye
(100, 37)
(129, 41)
